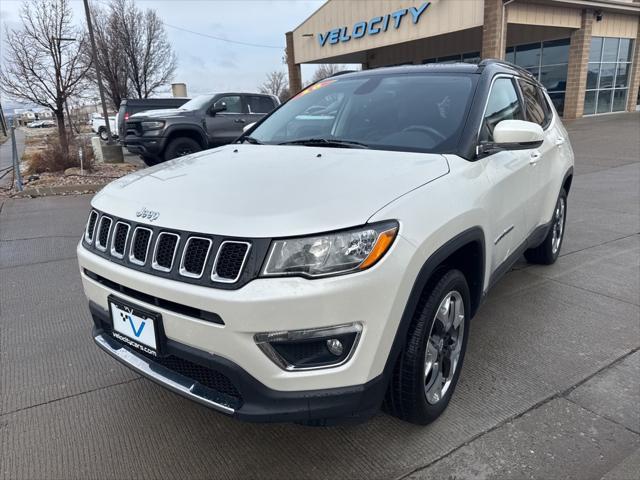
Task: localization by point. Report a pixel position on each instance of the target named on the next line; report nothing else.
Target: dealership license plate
(134, 326)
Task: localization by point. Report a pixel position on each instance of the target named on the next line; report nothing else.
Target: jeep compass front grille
(118, 243)
(195, 256)
(104, 227)
(209, 260)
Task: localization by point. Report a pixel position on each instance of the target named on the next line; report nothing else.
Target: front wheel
(428, 367)
(103, 134)
(547, 252)
(181, 146)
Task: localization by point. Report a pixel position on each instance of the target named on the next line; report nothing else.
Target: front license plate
(134, 326)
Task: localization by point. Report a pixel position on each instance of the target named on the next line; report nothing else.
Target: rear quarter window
(259, 104)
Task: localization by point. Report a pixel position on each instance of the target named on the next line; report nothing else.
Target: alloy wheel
(558, 225)
(444, 346)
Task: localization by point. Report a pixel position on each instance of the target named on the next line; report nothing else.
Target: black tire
(181, 146)
(409, 386)
(548, 251)
(150, 161)
(102, 132)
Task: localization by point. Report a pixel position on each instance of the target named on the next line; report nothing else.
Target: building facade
(585, 52)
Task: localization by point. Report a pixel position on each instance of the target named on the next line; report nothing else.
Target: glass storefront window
(610, 50)
(604, 101)
(590, 103)
(609, 67)
(554, 77)
(619, 100)
(548, 62)
(555, 52)
(593, 70)
(472, 57)
(622, 75)
(595, 52)
(607, 74)
(529, 55)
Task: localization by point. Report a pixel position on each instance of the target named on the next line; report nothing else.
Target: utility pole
(94, 53)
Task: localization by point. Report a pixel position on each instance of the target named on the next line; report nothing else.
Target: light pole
(94, 54)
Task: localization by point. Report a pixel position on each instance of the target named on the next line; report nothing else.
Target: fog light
(310, 348)
(335, 346)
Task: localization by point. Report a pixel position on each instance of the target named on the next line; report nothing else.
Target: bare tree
(326, 70)
(42, 63)
(111, 56)
(276, 84)
(148, 56)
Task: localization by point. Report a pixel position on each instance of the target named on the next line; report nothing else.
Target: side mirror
(248, 127)
(218, 108)
(513, 135)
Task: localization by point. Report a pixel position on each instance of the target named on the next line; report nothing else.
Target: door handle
(535, 156)
(560, 141)
(240, 120)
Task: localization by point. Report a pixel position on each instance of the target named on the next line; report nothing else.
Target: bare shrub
(52, 158)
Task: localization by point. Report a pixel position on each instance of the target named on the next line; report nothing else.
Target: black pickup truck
(203, 122)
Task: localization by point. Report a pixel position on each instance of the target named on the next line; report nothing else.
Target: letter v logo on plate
(136, 331)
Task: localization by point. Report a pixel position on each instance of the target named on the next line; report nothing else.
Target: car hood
(269, 191)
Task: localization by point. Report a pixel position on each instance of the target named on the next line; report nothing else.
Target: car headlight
(152, 125)
(332, 253)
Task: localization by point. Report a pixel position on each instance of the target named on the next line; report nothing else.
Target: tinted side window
(234, 104)
(503, 104)
(548, 111)
(258, 104)
(535, 112)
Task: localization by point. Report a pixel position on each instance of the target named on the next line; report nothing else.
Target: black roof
(491, 66)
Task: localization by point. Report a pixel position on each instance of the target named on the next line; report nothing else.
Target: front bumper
(374, 298)
(252, 401)
(145, 146)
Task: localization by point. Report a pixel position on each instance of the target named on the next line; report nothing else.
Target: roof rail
(493, 61)
(342, 72)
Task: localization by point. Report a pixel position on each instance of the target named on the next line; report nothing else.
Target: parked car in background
(41, 124)
(203, 122)
(331, 260)
(98, 126)
(130, 106)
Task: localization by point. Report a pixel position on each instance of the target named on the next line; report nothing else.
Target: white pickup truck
(98, 126)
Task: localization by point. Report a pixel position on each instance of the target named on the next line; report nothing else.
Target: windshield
(198, 102)
(404, 112)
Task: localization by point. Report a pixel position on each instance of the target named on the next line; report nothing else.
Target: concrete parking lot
(550, 387)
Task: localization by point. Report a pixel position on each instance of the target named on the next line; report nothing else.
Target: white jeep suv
(329, 262)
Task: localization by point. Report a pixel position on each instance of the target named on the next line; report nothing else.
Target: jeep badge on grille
(148, 214)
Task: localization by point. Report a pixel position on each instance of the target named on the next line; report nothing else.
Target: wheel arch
(568, 179)
(465, 252)
(189, 132)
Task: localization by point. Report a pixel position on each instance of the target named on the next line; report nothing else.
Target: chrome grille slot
(230, 261)
(91, 226)
(165, 251)
(194, 257)
(119, 239)
(104, 227)
(140, 245)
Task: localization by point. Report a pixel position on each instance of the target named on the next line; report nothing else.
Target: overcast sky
(204, 64)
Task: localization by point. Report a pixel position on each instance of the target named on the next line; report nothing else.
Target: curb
(59, 190)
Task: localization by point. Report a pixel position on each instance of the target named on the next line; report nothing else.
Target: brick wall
(634, 80)
(493, 44)
(577, 69)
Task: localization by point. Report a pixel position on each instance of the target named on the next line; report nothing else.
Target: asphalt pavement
(550, 387)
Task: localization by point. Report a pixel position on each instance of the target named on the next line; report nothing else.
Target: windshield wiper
(326, 142)
(251, 140)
